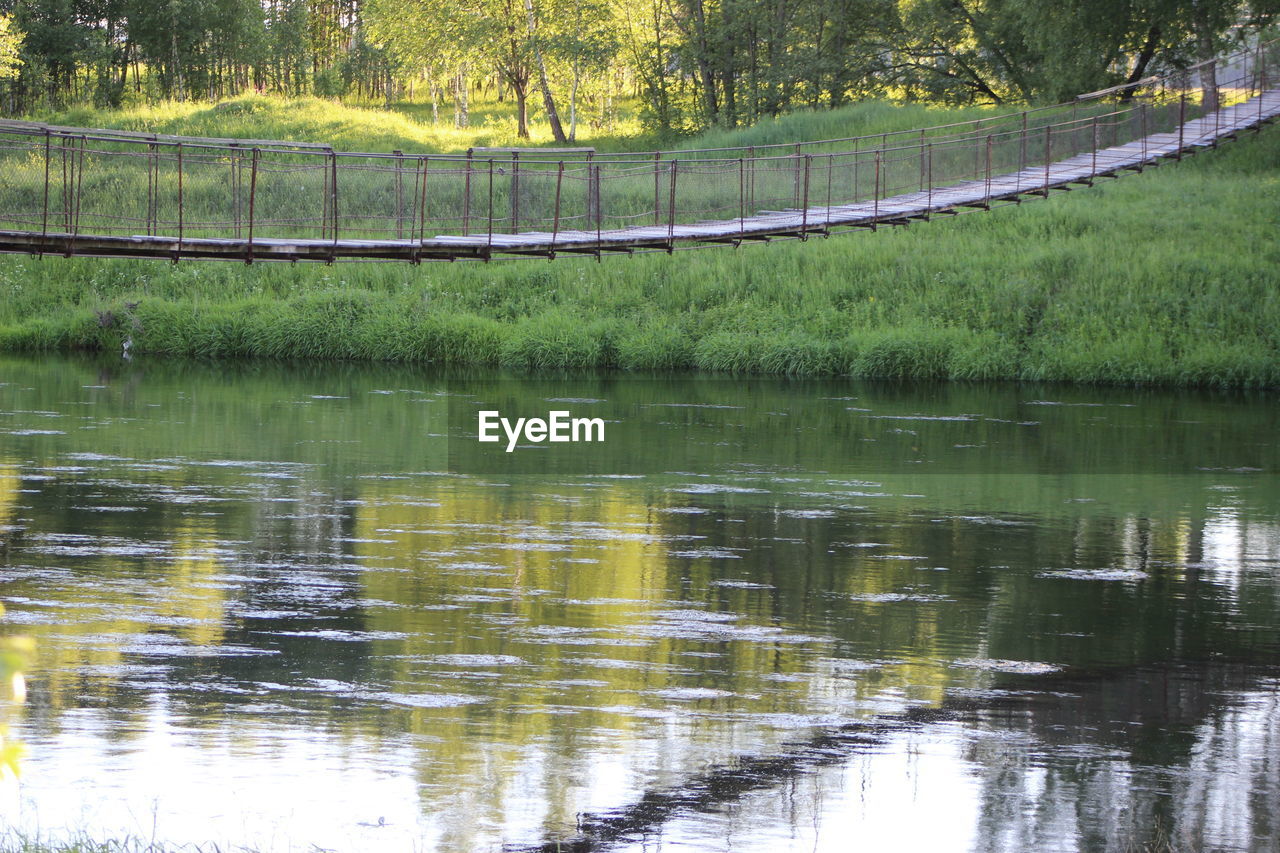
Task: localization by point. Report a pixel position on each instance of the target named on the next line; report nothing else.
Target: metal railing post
(153, 186)
(1093, 164)
(671, 222)
(855, 170)
(988, 187)
(1182, 121)
(77, 194)
(1048, 157)
(253, 194)
(742, 196)
(797, 178)
(593, 194)
(929, 206)
(235, 191)
(489, 245)
(333, 205)
(1262, 82)
(466, 196)
(595, 183)
(515, 191)
(875, 210)
(657, 180)
(422, 210)
(555, 227)
(590, 191)
(977, 152)
(1217, 103)
(66, 186)
(324, 201)
(1255, 83)
(399, 155)
(804, 204)
(181, 206)
(922, 169)
(1142, 109)
(44, 219)
(831, 168)
(1022, 148)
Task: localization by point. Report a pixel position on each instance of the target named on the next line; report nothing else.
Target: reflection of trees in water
(1184, 755)
(505, 560)
(1229, 795)
(1180, 757)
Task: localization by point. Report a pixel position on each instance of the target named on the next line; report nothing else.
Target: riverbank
(1170, 277)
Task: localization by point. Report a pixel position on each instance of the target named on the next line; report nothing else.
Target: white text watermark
(558, 426)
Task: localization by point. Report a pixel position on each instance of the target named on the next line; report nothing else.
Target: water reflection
(1064, 763)
(292, 607)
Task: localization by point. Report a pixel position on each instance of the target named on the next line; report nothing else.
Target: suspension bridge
(104, 193)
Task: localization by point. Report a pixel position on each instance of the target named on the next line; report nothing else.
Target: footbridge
(73, 191)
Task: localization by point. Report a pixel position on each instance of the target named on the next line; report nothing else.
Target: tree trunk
(461, 104)
(663, 107)
(548, 101)
(1208, 71)
(728, 71)
(702, 56)
(1145, 56)
(573, 104)
(522, 110)
(173, 44)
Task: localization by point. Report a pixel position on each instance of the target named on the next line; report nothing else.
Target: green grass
(1170, 277)
(406, 127)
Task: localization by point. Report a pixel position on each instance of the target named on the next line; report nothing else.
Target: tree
(419, 39)
(287, 47)
(586, 45)
(1026, 50)
(648, 40)
(11, 39)
(694, 63)
(496, 33)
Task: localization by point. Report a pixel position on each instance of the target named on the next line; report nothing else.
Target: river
(296, 607)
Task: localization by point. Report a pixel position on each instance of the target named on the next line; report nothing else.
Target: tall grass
(865, 119)
(409, 128)
(1167, 277)
(346, 127)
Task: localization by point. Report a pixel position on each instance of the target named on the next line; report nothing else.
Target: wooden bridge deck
(1031, 181)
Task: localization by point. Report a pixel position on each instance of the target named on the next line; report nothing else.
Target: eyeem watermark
(557, 427)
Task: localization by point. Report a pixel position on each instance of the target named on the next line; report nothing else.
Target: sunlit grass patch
(407, 126)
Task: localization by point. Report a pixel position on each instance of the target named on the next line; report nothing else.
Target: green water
(285, 606)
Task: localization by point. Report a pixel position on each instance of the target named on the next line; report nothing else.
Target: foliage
(693, 63)
(1021, 50)
(10, 48)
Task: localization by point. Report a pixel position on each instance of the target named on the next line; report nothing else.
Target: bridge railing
(66, 184)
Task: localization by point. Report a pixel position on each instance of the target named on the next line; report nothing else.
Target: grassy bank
(408, 127)
(1168, 277)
